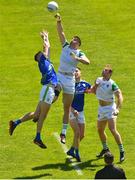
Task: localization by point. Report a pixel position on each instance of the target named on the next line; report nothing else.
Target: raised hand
(44, 35)
(58, 17)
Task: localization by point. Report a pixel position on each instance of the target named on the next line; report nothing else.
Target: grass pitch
(107, 30)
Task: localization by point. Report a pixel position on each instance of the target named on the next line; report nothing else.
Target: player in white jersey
(106, 90)
(70, 57)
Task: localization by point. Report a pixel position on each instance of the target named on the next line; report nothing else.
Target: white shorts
(67, 83)
(80, 118)
(47, 94)
(106, 112)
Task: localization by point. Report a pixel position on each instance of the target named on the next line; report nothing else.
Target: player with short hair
(71, 55)
(47, 93)
(110, 171)
(106, 90)
(76, 116)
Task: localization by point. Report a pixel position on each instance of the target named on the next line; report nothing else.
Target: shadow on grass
(67, 165)
(34, 177)
(62, 166)
(90, 164)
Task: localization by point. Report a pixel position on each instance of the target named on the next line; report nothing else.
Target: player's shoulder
(81, 53)
(99, 79)
(82, 80)
(80, 50)
(111, 81)
(99, 173)
(119, 169)
(65, 44)
(85, 83)
(115, 87)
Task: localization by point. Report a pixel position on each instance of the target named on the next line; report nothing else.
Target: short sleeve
(88, 85)
(81, 53)
(66, 43)
(115, 86)
(98, 80)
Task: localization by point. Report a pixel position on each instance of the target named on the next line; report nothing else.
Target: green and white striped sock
(104, 144)
(121, 148)
(64, 129)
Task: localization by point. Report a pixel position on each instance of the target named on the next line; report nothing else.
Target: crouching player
(47, 94)
(76, 116)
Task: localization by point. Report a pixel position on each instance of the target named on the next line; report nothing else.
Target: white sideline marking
(65, 149)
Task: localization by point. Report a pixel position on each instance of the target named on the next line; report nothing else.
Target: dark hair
(79, 40)
(108, 157)
(36, 55)
(78, 68)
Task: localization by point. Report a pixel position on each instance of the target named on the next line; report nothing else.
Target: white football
(52, 6)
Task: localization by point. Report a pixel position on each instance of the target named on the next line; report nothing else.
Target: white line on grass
(65, 149)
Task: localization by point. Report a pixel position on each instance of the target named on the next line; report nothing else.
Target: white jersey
(105, 90)
(67, 63)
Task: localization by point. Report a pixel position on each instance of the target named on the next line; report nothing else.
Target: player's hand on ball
(58, 17)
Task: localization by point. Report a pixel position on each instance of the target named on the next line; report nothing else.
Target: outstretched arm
(60, 29)
(46, 43)
(92, 89)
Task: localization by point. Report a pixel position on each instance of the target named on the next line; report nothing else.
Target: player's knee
(81, 136)
(36, 115)
(113, 131)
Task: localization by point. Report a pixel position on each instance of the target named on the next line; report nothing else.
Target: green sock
(121, 148)
(64, 129)
(104, 144)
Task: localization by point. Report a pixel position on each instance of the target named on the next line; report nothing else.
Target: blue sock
(77, 155)
(17, 122)
(72, 149)
(38, 136)
(76, 151)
